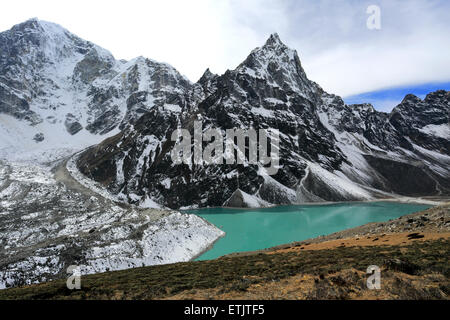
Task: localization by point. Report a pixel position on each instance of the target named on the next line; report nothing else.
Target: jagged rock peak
(34, 25)
(207, 75)
(30, 23)
(275, 48)
(279, 65)
(411, 98)
(441, 95)
(274, 40)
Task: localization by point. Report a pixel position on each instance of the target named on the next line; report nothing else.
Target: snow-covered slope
(58, 91)
(46, 226)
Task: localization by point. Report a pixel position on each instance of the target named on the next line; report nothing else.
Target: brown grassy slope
(333, 273)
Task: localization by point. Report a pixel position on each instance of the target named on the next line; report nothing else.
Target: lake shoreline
(432, 220)
(410, 200)
(257, 229)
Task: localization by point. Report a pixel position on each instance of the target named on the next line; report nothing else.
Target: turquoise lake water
(254, 229)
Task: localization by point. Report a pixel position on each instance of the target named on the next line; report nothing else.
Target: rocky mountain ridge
(60, 92)
(329, 151)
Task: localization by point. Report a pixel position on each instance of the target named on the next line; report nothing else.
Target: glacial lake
(254, 229)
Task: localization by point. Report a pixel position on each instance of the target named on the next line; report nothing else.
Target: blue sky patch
(387, 99)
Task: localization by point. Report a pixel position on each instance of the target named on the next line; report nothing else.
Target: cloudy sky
(410, 53)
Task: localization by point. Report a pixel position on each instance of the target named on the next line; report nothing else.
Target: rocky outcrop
(72, 125)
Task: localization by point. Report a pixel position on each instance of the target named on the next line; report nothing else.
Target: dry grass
(419, 270)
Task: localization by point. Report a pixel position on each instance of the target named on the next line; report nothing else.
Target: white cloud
(336, 48)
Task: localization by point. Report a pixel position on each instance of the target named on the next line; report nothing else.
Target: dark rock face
(39, 137)
(16, 106)
(72, 125)
(328, 150)
(238, 200)
(92, 66)
(404, 178)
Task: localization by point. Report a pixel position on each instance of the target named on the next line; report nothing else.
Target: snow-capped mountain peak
(279, 65)
(52, 41)
(60, 91)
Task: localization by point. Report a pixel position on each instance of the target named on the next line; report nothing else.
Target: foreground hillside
(413, 257)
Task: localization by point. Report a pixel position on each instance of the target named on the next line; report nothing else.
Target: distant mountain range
(59, 92)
